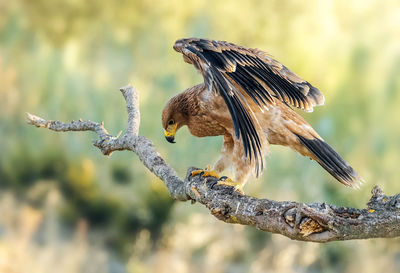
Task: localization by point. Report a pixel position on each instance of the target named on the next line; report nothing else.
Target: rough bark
(316, 222)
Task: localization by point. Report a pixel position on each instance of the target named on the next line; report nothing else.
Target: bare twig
(130, 140)
(306, 222)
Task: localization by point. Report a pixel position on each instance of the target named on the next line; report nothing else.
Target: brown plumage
(247, 97)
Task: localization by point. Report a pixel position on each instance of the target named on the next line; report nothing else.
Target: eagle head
(174, 116)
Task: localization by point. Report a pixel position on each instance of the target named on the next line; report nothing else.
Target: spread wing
(236, 72)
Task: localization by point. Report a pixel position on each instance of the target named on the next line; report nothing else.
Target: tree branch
(314, 222)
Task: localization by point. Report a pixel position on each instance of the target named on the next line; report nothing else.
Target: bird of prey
(247, 97)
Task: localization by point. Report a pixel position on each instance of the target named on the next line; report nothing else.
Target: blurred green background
(66, 207)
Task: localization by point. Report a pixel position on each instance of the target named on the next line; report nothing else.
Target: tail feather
(332, 162)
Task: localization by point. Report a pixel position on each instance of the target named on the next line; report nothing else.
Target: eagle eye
(171, 122)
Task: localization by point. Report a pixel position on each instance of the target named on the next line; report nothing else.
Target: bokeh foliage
(66, 60)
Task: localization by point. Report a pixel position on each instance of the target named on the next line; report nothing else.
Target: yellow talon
(196, 172)
(211, 173)
(205, 173)
(222, 180)
(229, 182)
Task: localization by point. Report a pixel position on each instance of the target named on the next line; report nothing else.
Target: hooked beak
(170, 139)
(169, 133)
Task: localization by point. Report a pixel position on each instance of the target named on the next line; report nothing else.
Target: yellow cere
(171, 130)
(168, 134)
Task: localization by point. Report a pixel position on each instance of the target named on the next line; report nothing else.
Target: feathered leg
(242, 166)
(224, 161)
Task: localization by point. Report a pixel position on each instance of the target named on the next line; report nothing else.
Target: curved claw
(226, 181)
(222, 180)
(205, 173)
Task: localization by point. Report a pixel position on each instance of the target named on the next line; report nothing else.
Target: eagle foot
(206, 172)
(224, 180)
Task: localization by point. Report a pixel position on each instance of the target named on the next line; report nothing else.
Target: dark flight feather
(331, 161)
